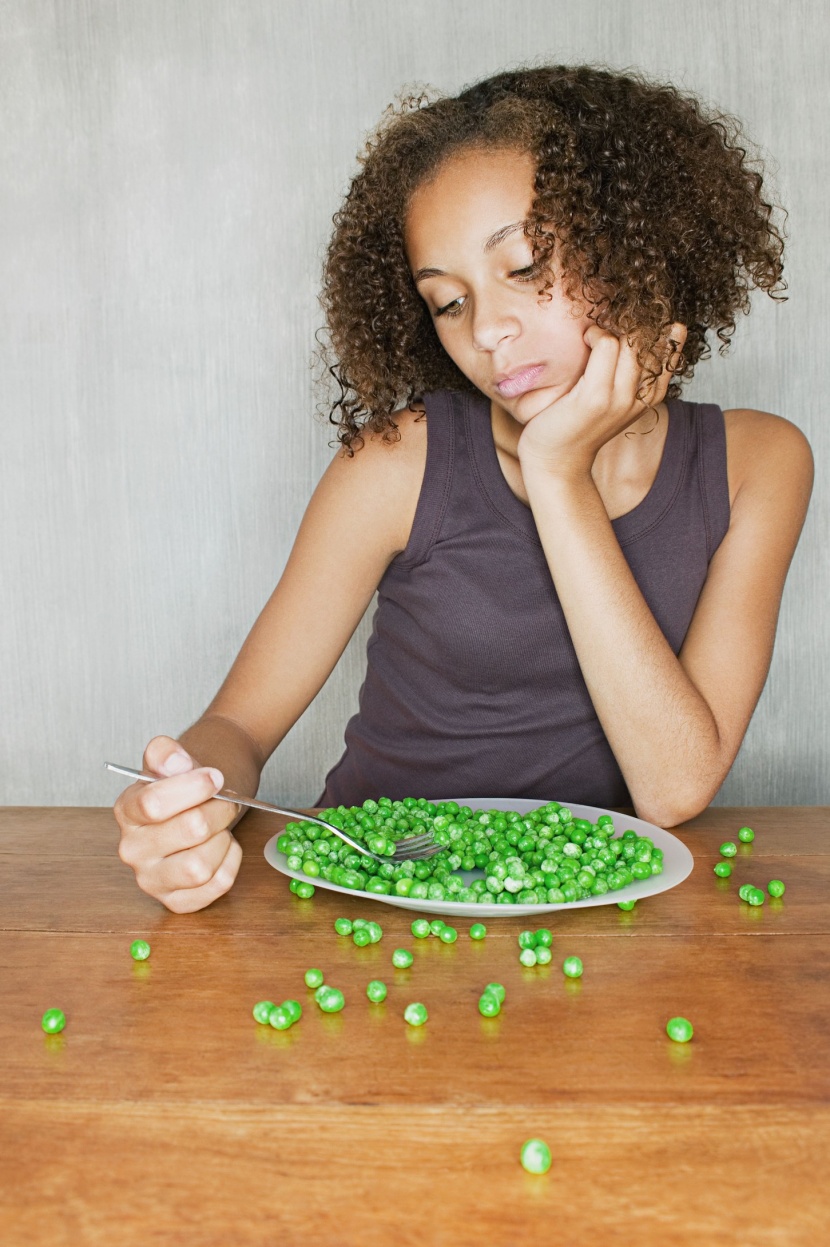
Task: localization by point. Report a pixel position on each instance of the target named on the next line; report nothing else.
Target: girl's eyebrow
(492, 241)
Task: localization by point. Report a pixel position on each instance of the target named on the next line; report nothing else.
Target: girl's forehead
(472, 193)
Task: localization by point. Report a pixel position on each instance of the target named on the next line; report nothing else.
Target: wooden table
(165, 1114)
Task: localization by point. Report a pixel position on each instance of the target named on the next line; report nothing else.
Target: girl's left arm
(675, 724)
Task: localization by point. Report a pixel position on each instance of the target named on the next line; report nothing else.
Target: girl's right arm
(177, 840)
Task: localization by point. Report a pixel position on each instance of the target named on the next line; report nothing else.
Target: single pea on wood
(376, 991)
(330, 999)
(478, 931)
(415, 1014)
(420, 929)
(343, 926)
(679, 1029)
(535, 1156)
(53, 1021)
(139, 950)
(572, 967)
(746, 835)
(402, 958)
(728, 848)
(776, 888)
(314, 978)
(723, 869)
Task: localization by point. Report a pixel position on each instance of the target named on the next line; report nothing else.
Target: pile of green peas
(421, 928)
(535, 947)
(361, 931)
(543, 857)
(281, 1017)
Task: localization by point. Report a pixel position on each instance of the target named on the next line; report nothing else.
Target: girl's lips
(520, 382)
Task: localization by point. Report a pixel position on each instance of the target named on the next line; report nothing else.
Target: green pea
(362, 937)
(728, 849)
(497, 990)
(261, 1010)
(359, 923)
(279, 1018)
(488, 1005)
(535, 1156)
(139, 950)
(478, 931)
(376, 991)
(746, 835)
(420, 928)
(314, 978)
(626, 904)
(543, 955)
(321, 992)
(437, 926)
(723, 869)
(775, 887)
(53, 1021)
(294, 1010)
(744, 891)
(528, 957)
(572, 967)
(375, 932)
(402, 959)
(543, 938)
(305, 891)
(679, 1029)
(332, 1000)
(527, 939)
(343, 926)
(415, 1014)
(756, 897)
(448, 935)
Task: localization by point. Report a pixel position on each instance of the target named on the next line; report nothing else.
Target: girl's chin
(525, 406)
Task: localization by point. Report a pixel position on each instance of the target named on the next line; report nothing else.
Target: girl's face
(472, 265)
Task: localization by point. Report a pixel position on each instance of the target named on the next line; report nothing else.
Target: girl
(578, 573)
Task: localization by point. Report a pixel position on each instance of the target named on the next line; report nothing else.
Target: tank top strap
(710, 431)
(436, 488)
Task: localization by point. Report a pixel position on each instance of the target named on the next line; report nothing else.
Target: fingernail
(217, 777)
(176, 763)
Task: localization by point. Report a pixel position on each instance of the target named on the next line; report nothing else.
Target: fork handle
(227, 794)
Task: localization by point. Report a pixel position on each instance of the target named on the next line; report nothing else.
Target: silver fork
(415, 849)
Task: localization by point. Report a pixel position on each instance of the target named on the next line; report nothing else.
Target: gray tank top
(472, 686)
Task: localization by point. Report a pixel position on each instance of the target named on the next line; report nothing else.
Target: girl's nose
(493, 323)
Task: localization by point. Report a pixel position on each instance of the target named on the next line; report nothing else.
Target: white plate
(677, 866)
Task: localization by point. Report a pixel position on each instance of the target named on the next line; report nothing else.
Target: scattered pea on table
(746, 835)
(437, 926)
(139, 950)
(744, 891)
(305, 891)
(478, 931)
(448, 935)
(330, 999)
(343, 926)
(497, 989)
(489, 1005)
(723, 869)
(626, 904)
(402, 958)
(572, 967)
(728, 848)
(776, 888)
(543, 955)
(314, 977)
(420, 929)
(535, 1156)
(528, 957)
(261, 1011)
(755, 896)
(679, 1029)
(376, 991)
(294, 1010)
(279, 1018)
(53, 1021)
(415, 1014)
(362, 937)
(375, 932)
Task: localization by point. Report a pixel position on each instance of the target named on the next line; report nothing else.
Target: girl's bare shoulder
(386, 473)
(767, 454)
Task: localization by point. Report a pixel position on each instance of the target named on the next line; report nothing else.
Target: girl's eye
(449, 309)
(526, 274)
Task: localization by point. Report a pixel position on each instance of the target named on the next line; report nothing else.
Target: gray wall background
(168, 172)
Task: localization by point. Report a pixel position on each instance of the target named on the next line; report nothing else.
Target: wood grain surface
(165, 1114)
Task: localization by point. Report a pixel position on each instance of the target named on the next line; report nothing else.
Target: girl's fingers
(143, 846)
(157, 802)
(186, 900)
(188, 870)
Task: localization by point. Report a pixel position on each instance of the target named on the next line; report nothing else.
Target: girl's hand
(173, 835)
(565, 436)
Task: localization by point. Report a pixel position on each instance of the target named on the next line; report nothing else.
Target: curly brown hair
(649, 198)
